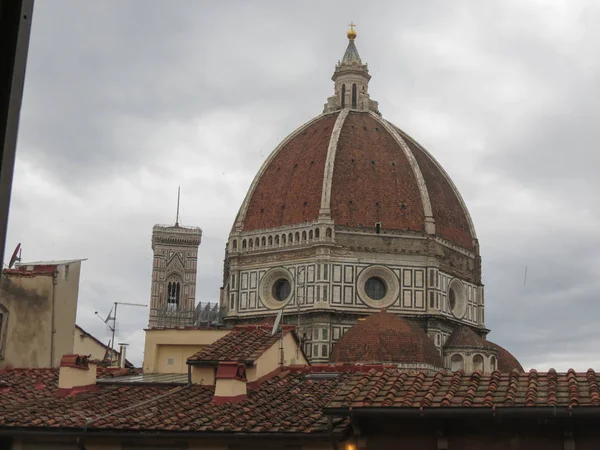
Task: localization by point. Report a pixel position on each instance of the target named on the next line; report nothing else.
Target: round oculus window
(452, 299)
(375, 288)
(281, 289)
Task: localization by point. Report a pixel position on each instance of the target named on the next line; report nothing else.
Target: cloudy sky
(124, 101)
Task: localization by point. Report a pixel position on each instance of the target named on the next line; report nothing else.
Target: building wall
(28, 326)
(65, 304)
(85, 344)
(269, 360)
(34, 300)
(179, 344)
(328, 290)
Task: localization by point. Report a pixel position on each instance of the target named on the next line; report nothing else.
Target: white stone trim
(391, 283)
(454, 188)
(265, 290)
(325, 212)
(429, 219)
(239, 221)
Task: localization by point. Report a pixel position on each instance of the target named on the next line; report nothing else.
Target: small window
(378, 227)
(170, 362)
(316, 334)
(315, 351)
(234, 244)
(324, 350)
(431, 300)
(270, 240)
(325, 334)
(354, 95)
(317, 233)
(343, 95)
(244, 243)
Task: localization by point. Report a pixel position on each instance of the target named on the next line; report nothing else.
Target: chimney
(122, 354)
(230, 383)
(76, 372)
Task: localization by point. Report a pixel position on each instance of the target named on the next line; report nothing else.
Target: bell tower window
(354, 95)
(173, 290)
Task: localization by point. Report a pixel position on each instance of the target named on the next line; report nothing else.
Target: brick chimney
(76, 373)
(230, 383)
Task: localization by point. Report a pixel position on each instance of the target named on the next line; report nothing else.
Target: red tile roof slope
(392, 388)
(286, 403)
(506, 360)
(450, 217)
(289, 190)
(373, 180)
(386, 338)
(464, 336)
(22, 386)
(245, 343)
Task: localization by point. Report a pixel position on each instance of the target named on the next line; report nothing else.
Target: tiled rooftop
(464, 336)
(287, 402)
(245, 343)
(390, 388)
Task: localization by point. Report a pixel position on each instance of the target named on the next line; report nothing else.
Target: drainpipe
(52, 329)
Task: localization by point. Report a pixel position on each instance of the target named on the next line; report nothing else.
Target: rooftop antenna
(113, 318)
(177, 218)
(277, 322)
(16, 256)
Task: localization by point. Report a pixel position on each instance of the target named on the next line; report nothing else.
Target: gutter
(432, 412)
(118, 433)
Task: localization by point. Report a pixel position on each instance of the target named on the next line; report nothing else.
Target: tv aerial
(112, 317)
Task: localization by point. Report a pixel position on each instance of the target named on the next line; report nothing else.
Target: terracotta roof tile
(393, 388)
(289, 402)
(245, 343)
(386, 338)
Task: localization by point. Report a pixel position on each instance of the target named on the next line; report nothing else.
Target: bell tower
(173, 291)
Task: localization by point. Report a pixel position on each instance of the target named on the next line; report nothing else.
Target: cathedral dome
(386, 338)
(359, 170)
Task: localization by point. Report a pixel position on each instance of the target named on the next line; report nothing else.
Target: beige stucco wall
(269, 360)
(30, 300)
(28, 330)
(65, 301)
(84, 344)
(69, 377)
(179, 344)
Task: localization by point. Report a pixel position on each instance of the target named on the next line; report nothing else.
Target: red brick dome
(506, 361)
(386, 338)
(357, 169)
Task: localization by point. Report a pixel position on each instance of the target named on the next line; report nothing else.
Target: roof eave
(460, 412)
